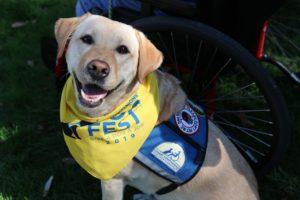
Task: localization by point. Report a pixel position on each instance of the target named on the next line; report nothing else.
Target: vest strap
(167, 189)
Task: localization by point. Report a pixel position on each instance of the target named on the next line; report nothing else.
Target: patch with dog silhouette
(171, 154)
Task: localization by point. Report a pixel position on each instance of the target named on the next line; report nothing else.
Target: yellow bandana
(104, 145)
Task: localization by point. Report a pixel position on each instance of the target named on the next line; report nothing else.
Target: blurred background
(31, 143)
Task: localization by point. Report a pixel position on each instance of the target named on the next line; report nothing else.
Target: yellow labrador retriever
(109, 61)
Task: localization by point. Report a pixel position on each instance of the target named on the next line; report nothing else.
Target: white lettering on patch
(187, 120)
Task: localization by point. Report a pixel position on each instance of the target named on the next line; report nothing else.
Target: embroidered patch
(171, 154)
(187, 120)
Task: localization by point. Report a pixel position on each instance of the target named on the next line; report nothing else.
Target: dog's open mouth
(92, 95)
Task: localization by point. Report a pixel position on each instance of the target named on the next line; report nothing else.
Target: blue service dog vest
(175, 150)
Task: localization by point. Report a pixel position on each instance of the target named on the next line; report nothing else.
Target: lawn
(31, 142)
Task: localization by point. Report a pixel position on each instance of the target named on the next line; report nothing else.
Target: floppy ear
(64, 28)
(150, 58)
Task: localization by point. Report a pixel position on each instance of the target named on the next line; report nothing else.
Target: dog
(108, 62)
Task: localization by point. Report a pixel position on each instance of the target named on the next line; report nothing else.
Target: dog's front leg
(112, 189)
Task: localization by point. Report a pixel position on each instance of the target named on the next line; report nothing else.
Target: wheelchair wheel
(228, 82)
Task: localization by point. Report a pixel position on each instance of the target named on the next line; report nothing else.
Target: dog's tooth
(91, 98)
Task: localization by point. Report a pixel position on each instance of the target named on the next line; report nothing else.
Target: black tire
(222, 64)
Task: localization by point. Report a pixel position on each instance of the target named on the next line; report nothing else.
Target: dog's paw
(143, 197)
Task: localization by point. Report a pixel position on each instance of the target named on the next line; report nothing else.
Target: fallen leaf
(68, 161)
(40, 127)
(30, 63)
(19, 24)
(47, 186)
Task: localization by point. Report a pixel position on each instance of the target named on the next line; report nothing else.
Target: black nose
(98, 69)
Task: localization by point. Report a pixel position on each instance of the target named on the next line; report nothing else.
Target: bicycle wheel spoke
(249, 153)
(222, 110)
(231, 98)
(211, 60)
(243, 111)
(286, 27)
(187, 49)
(287, 39)
(238, 90)
(243, 128)
(195, 67)
(165, 46)
(260, 120)
(289, 18)
(216, 75)
(243, 131)
(175, 56)
(237, 142)
(237, 115)
(277, 44)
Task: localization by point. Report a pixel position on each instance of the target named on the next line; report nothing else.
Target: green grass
(31, 143)
(284, 181)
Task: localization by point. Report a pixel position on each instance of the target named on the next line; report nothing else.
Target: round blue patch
(187, 120)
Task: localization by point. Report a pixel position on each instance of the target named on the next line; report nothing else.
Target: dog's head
(106, 59)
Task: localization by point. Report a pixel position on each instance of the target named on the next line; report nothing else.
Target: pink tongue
(93, 93)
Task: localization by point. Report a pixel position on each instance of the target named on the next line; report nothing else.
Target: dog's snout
(98, 69)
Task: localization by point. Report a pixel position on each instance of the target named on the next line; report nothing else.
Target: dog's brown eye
(87, 39)
(122, 49)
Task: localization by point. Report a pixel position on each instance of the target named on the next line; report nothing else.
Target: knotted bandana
(104, 145)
